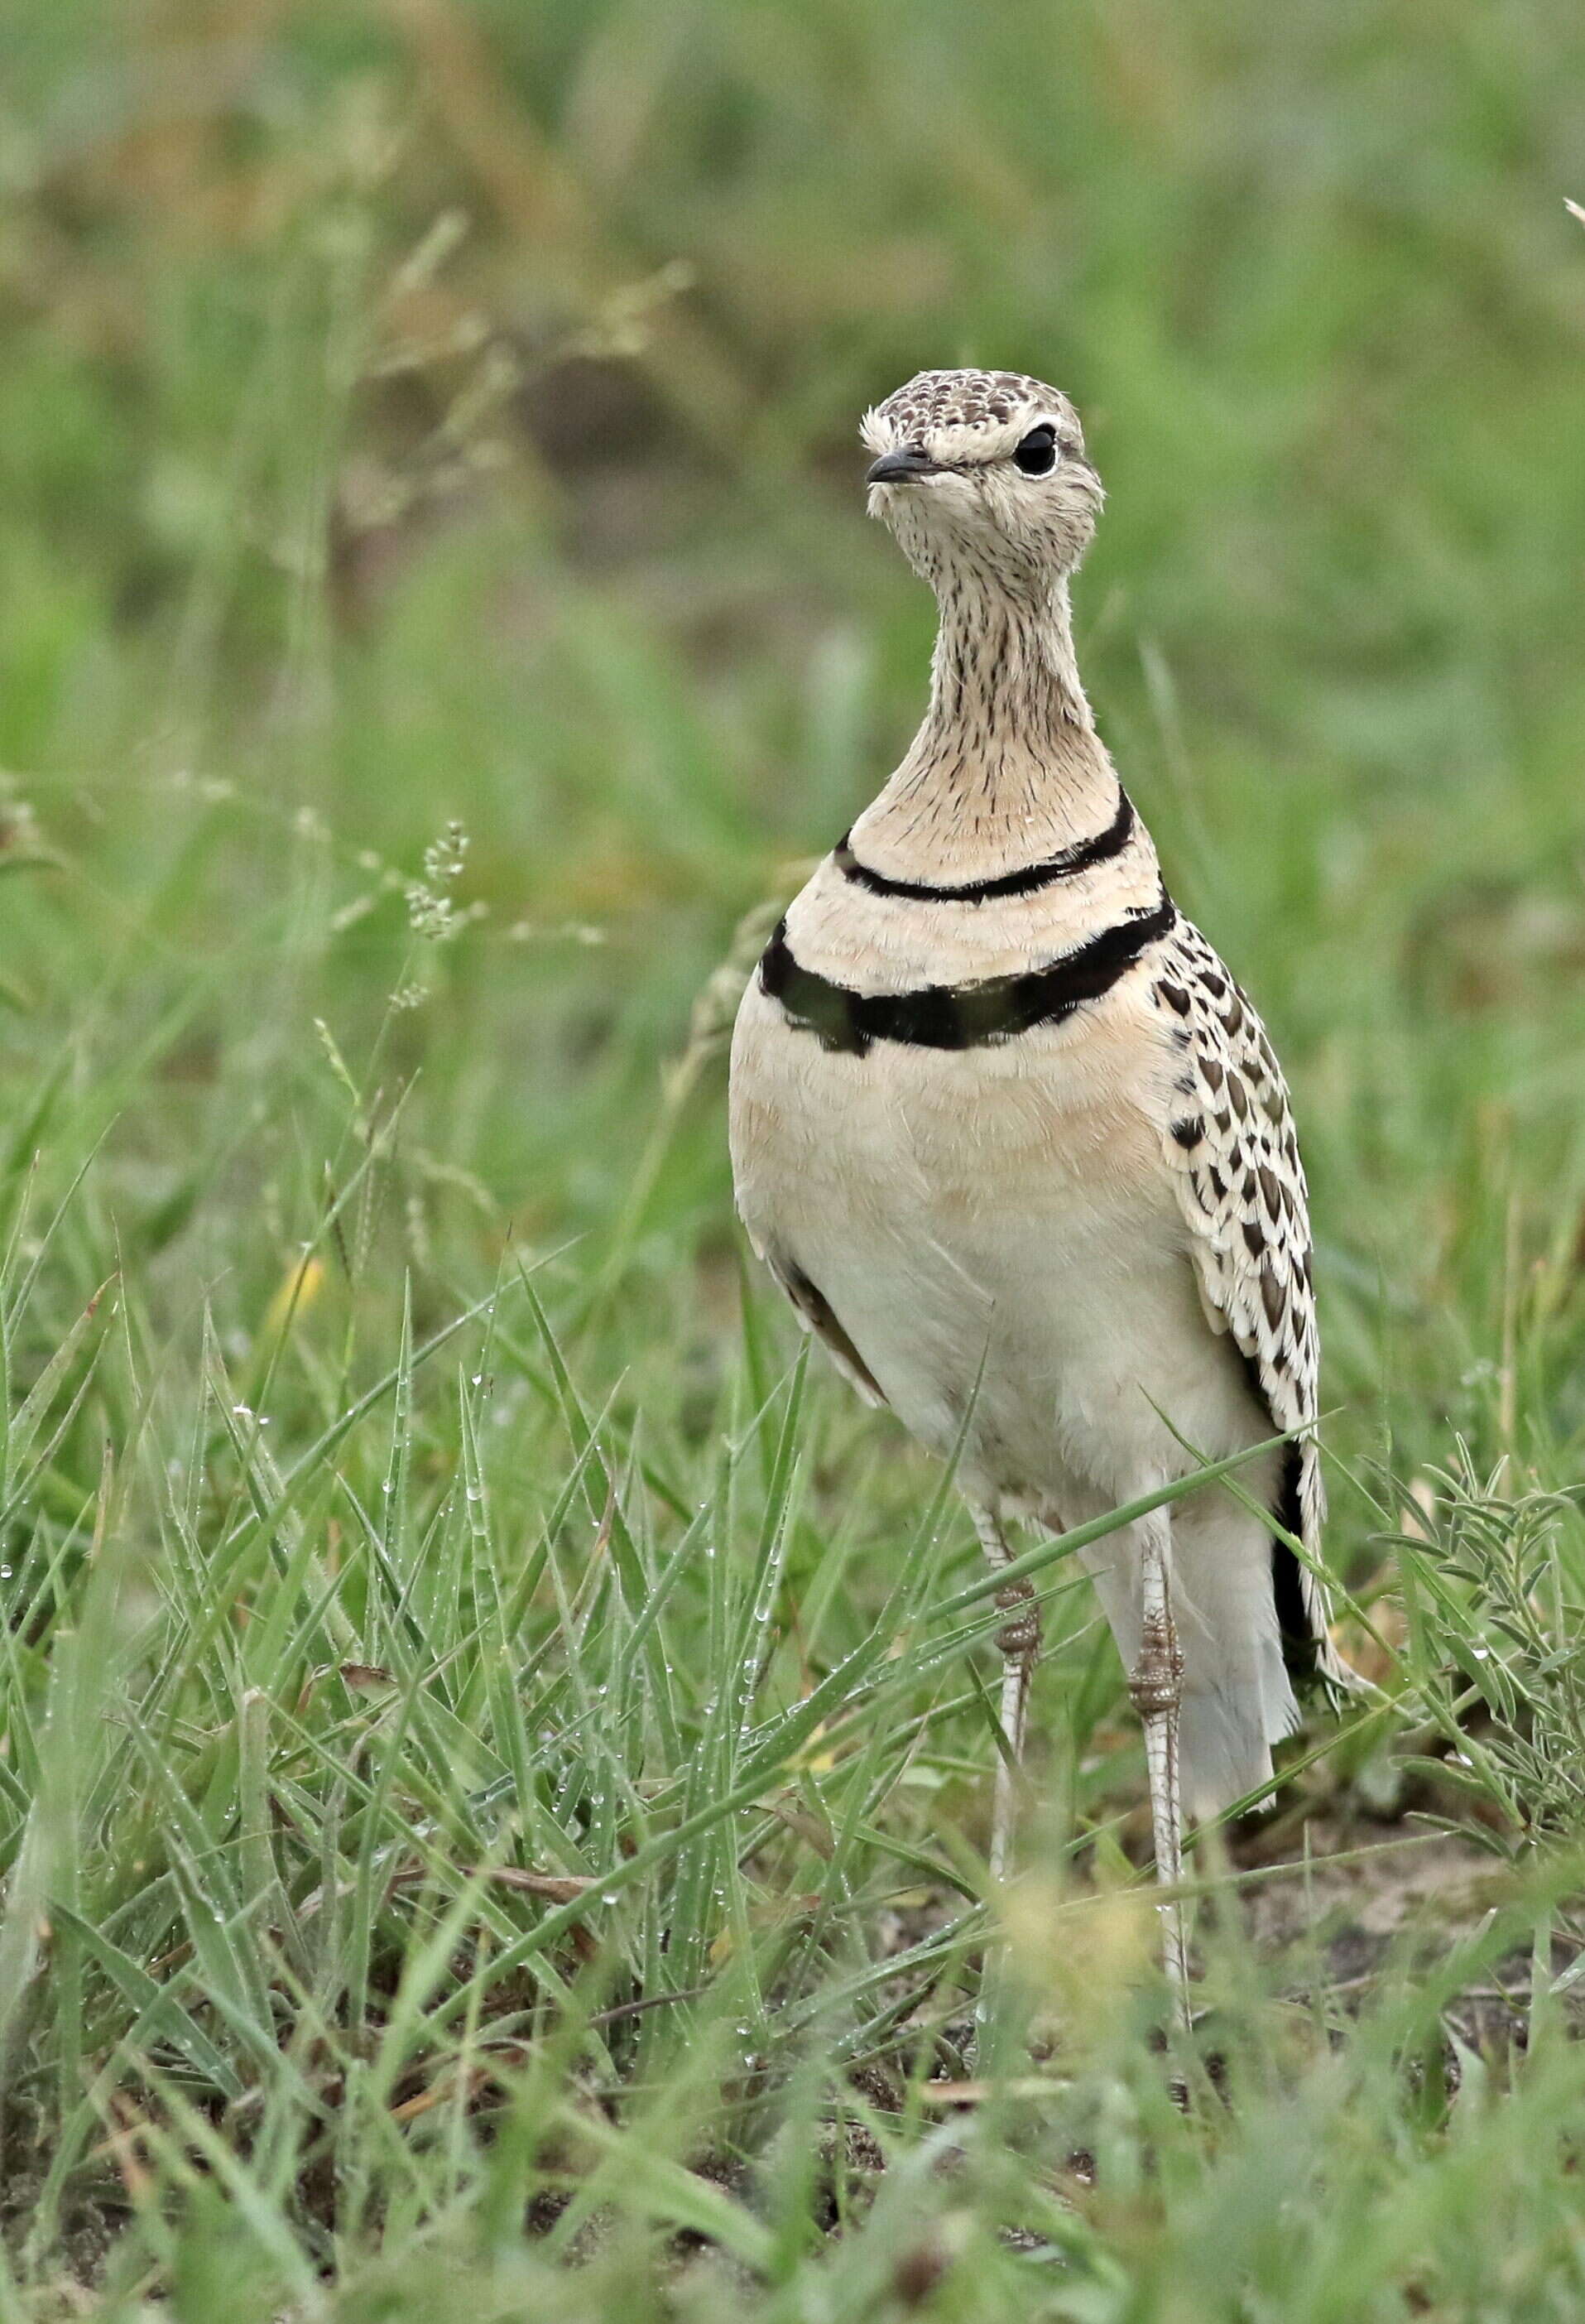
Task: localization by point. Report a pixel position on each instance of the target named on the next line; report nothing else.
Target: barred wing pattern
(1231, 1145)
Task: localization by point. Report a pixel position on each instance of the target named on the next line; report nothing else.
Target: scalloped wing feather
(1235, 1159)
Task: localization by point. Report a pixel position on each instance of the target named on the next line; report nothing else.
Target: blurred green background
(437, 621)
(429, 411)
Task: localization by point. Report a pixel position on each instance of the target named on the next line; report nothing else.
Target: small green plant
(1494, 1590)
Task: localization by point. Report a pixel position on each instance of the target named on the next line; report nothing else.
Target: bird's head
(983, 476)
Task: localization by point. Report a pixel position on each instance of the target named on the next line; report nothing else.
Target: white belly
(995, 1232)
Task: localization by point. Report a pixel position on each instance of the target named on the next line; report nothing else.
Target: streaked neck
(1007, 762)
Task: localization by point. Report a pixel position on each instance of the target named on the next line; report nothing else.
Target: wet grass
(494, 1750)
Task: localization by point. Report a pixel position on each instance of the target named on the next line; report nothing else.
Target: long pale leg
(1019, 1641)
(1157, 1685)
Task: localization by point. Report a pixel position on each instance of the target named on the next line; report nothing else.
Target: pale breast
(992, 1227)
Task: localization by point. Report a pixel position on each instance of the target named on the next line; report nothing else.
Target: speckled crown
(934, 400)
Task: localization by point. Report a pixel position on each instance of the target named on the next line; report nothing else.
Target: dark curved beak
(900, 468)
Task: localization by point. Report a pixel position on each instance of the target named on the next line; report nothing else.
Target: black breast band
(959, 1016)
(1082, 856)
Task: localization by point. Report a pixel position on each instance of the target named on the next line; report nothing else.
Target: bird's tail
(1226, 1729)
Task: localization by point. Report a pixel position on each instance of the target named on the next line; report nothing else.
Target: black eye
(1035, 454)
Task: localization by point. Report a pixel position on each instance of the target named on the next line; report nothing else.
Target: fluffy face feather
(969, 510)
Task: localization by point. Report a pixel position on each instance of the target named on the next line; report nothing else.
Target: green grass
(494, 1750)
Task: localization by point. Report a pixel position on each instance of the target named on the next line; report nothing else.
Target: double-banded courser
(1016, 1146)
